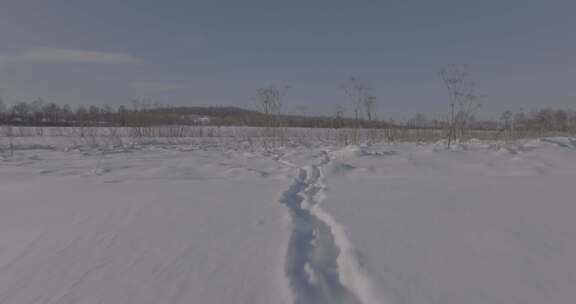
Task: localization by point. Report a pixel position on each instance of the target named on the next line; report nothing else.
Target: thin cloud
(157, 86)
(59, 55)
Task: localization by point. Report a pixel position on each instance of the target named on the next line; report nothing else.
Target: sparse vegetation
(144, 118)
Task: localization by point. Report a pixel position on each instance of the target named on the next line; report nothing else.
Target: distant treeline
(537, 120)
(40, 113)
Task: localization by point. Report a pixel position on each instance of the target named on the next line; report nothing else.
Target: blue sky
(521, 54)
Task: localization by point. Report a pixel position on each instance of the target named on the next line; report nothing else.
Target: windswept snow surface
(150, 226)
(470, 225)
(385, 224)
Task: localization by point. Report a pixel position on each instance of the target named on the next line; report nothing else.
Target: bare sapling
(370, 103)
(341, 133)
(507, 125)
(7, 130)
(269, 101)
(8, 133)
(358, 93)
(463, 100)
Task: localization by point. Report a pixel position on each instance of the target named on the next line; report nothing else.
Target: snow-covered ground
(395, 223)
(149, 226)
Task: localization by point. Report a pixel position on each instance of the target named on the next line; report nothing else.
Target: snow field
(207, 222)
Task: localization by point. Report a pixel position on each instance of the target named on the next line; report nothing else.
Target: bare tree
(339, 124)
(506, 120)
(463, 100)
(370, 107)
(358, 94)
(5, 127)
(269, 100)
(3, 113)
(339, 117)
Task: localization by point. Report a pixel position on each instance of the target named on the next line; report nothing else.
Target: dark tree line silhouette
(142, 113)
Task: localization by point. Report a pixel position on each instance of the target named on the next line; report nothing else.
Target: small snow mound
(563, 142)
(342, 168)
(476, 144)
(348, 152)
(100, 171)
(533, 143)
(475, 141)
(505, 150)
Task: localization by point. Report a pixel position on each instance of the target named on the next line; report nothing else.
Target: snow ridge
(320, 265)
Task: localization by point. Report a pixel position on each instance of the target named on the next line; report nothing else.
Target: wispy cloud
(157, 86)
(59, 55)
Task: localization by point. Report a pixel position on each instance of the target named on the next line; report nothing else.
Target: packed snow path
(313, 254)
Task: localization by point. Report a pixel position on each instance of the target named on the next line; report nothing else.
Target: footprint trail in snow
(315, 258)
